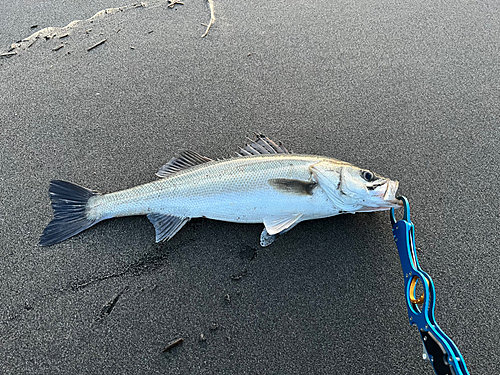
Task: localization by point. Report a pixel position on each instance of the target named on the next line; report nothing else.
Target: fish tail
(69, 202)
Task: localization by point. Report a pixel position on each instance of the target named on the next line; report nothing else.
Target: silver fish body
(270, 186)
(235, 190)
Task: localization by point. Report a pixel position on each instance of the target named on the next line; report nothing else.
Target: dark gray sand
(408, 90)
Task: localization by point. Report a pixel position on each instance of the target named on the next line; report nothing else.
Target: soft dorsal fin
(185, 160)
(262, 146)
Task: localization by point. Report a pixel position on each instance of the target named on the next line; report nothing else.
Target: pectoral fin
(290, 186)
(166, 226)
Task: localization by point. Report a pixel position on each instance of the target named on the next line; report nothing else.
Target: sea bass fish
(265, 184)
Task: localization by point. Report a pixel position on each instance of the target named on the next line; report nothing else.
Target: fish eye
(368, 176)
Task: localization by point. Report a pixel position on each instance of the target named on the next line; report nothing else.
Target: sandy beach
(408, 90)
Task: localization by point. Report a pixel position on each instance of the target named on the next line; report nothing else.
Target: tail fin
(69, 203)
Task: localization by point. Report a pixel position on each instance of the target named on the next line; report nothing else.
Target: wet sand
(408, 90)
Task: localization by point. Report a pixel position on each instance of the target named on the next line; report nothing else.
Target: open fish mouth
(384, 198)
(385, 195)
(390, 194)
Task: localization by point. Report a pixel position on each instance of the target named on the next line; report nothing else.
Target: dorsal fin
(185, 160)
(262, 146)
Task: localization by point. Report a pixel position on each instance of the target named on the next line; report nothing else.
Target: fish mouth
(383, 198)
(390, 194)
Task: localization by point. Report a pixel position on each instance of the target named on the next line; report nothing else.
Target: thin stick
(174, 2)
(172, 344)
(96, 45)
(212, 17)
(8, 54)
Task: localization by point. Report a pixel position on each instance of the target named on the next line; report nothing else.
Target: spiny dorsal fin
(262, 146)
(185, 160)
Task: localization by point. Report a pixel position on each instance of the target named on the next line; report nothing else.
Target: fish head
(353, 189)
(368, 189)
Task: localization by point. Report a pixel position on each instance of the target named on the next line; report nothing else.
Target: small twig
(240, 275)
(96, 45)
(8, 54)
(173, 3)
(110, 305)
(58, 47)
(172, 344)
(212, 17)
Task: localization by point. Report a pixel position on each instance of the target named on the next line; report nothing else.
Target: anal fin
(166, 226)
